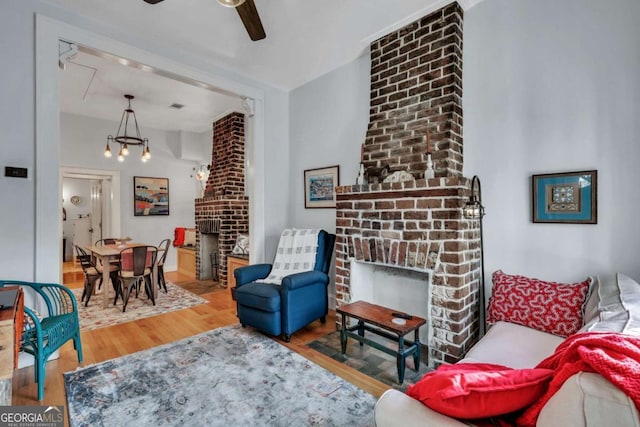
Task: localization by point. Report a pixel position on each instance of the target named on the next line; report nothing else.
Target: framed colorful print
(150, 196)
(569, 197)
(319, 187)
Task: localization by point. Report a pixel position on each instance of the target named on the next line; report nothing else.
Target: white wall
(329, 118)
(82, 145)
(196, 146)
(550, 87)
(18, 121)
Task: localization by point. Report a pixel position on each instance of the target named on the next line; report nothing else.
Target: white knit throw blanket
(296, 253)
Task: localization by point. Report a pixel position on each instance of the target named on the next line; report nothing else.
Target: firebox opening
(401, 289)
(208, 246)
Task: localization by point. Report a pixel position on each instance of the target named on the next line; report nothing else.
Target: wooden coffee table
(379, 320)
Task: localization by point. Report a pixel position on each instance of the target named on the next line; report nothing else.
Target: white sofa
(586, 399)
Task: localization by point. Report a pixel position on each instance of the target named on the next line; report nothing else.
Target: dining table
(108, 253)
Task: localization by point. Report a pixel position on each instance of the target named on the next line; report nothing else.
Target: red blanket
(614, 356)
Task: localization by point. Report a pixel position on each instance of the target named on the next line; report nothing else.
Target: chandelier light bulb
(125, 150)
(120, 156)
(107, 151)
(147, 153)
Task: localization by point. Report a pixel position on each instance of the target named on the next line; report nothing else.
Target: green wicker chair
(43, 333)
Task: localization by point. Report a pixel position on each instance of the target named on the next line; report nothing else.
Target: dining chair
(107, 241)
(46, 331)
(115, 263)
(136, 264)
(91, 274)
(164, 248)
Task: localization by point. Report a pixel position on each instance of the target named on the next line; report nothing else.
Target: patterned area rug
(94, 316)
(370, 361)
(225, 377)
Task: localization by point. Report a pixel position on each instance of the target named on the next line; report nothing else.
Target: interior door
(96, 210)
(107, 216)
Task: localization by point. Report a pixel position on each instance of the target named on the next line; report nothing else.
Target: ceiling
(95, 86)
(305, 39)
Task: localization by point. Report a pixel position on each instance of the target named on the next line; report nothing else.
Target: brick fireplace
(223, 212)
(417, 225)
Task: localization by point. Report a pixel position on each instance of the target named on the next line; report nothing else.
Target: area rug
(225, 377)
(371, 361)
(94, 316)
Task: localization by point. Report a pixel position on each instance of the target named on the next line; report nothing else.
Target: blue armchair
(300, 299)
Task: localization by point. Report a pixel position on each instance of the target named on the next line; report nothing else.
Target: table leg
(361, 330)
(106, 280)
(400, 359)
(343, 334)
(154, 281)
(416, 355)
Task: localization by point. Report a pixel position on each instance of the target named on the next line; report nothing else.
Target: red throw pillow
(551, 307)
(480, 390)
(178, 237)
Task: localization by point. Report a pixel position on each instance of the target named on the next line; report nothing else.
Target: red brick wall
(416, 87)
(227, 159)
(417, 225)
(233, 214)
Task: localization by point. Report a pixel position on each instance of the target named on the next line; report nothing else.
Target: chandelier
(126, 139)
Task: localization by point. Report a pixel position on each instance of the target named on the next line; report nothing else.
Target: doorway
(90, 206)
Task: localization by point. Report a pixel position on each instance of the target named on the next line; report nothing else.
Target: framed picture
(150, 196)
(569, 197)
(319, 187)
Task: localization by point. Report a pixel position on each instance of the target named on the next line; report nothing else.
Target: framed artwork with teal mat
(569, 197)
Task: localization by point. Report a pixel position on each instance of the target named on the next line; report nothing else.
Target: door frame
(114, 197)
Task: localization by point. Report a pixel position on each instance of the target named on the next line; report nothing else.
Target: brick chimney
(227, 159)
(223, 212)
(416, 88)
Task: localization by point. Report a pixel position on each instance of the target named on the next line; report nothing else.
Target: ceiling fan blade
(251, 20)
(153, 1)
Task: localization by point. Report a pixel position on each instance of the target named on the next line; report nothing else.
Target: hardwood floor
(115, 341)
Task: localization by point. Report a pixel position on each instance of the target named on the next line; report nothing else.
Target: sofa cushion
(479, 390)
(552, 307)
(588, 396)
(591, 306)
(512, 345)
(259, 295)
(618, 306)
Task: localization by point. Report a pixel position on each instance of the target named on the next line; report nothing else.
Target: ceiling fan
(248, 14)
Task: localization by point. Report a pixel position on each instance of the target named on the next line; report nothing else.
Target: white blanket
(296, 253)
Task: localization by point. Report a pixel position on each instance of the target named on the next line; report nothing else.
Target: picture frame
(568, 197)
(320, 187)
(150, 196)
